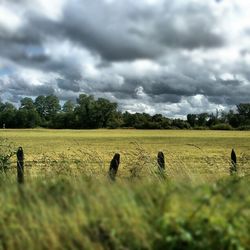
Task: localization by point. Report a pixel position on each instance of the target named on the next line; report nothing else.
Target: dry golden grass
(196, 155)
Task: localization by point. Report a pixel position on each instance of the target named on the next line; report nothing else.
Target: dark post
(233, 167)
(161, 161)
(20, 165)
(114, 164)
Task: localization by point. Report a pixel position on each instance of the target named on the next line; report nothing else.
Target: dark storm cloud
(22, 53)
(68, 85)
(166, 98)
(108, 30)
(100, 29)
(19, 87)
(26, 35)
(172, 87)
(204, 37)
(176, 36)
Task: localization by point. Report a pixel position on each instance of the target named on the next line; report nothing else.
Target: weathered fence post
(20, 165)
(161, 161)
(233, 167)
(114, 164)
(161, 164)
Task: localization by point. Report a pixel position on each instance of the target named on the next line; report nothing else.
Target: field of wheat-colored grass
(199, 155)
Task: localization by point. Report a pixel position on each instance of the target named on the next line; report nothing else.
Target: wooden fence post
(114, 164)
(233, 167)
(161, 161)
(20, 165)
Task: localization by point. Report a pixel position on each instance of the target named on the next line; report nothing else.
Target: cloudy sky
(156, 56)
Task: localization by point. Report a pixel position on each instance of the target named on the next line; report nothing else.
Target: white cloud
(9, 20)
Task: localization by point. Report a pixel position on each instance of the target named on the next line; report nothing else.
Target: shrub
(200, 128)
(244, 127)
(6, 152)
(221, 126)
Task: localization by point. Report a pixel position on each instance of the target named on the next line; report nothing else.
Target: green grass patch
(85, 213)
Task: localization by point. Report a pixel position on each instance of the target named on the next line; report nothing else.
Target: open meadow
(67, 201)
(199, 155)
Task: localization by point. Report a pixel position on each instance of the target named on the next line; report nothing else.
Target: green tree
(47, 107)
(8, 115)
(105, 110)
(52, 106)
(192, 119)
(243, 110)
(27, 118)
(1, 106)
(115, 120)
(202, 119)
(83, 111)
(27, 103)
(233, 119)
(40, 105)
(68, 107)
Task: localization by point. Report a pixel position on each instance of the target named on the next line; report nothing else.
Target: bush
(244, 127)
(6, 152)
(221, 126)
(200, 128)
(72, 212)
(203, 233)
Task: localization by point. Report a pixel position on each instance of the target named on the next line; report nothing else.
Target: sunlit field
(68, 202)
(196, 154)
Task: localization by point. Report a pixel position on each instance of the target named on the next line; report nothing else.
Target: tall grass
(68, 202)
(86, 213)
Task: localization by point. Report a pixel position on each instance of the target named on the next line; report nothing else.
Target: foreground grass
(86, 213)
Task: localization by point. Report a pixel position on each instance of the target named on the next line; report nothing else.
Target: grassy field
(67, 201)
(189, 153)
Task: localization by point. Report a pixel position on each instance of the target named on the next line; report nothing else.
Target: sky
(154, 56)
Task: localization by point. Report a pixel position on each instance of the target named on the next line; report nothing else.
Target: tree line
(238, 119)
(90, 113)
